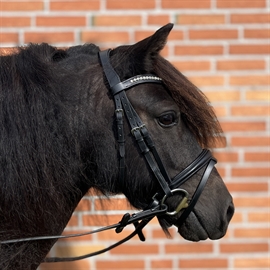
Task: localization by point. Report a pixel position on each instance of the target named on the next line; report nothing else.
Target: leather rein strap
(169, 186)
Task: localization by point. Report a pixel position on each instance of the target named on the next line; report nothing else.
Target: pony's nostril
(230, 211)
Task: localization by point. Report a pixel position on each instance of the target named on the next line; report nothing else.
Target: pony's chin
(192, 229)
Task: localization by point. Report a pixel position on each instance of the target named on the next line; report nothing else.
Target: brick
(240, 64)
(13, 21)
(7, 5)
(252, 263)
(240, 4)
(257, 156)
(161, 264)
(252, 233)
(207, 80)
(112, 204)
(213, 34)
(123, 4)
(220, 111)
(200, 19)
(84, 205)
(250, 18)
(250, 110)
(221, 96)
(49, 37)
(250, 80)
(82, 265)
(145, 249)
(112, 236)
(158, 19)
(221, 171)
(119, 264)
(100, 220)
(165, 52)
(76, 250)
(159, 234)
(258, 95)
(63, 21)
(247, 187)
(9, 37)
(243, 126)
(226, 156)
(250, 141)
(192, 65)
(250, 172)
(249, 49)
(74, 221)
(105, 36)
(243, 247)
(154, 221)
(251, 202)
(198, 50)
(189, 248)
(203, 263)
(172, 4)
(74, 5)
(257, 33)
(119, 20)
(259, 217)
(237, 217)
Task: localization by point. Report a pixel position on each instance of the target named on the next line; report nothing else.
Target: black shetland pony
(58, 139)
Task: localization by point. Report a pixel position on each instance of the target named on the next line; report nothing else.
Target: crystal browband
(139, 79)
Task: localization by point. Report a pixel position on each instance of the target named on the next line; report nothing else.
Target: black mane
(40, 137)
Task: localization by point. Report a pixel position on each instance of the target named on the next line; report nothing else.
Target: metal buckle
(183, 203)
(119, 110)
(137, 128)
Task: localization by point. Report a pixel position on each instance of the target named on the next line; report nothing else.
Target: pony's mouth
(192, 228)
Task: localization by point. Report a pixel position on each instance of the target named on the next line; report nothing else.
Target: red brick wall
(223, 47)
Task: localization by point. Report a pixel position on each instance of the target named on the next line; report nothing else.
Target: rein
(169, 186)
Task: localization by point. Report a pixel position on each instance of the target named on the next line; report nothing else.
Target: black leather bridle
(146, 145)
(169, 187)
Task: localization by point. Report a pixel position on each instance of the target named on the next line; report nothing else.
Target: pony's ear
(131, 60)
(147, 49)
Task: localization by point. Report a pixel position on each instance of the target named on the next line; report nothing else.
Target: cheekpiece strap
(111, 75)
(138, 129)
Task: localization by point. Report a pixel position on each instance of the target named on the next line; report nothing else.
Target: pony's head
(180, 122)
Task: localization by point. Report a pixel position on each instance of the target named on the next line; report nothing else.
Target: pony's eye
(167, 120)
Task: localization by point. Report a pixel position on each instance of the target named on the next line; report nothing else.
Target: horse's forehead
(149, 94)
